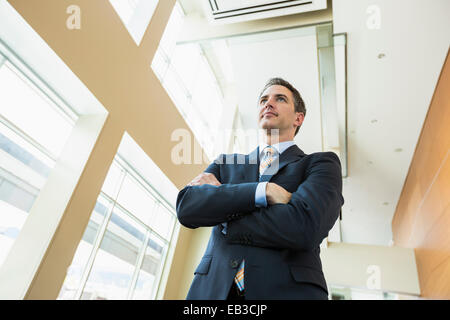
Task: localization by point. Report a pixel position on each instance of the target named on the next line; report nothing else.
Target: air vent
(230, 11)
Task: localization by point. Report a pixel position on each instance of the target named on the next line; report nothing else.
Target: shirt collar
(280, 147)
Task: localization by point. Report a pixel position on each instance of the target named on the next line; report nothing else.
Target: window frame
(8, 59)
(128, 170)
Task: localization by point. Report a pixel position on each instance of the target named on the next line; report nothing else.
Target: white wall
(388, 99)
(391, 269)
(290, 54)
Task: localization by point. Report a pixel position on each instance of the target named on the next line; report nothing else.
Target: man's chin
(267, 126)
(263, 127)
(264, 124)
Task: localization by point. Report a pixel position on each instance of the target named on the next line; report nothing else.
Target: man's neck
(274, 139)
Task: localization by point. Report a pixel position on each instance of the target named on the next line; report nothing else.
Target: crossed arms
(299, 221)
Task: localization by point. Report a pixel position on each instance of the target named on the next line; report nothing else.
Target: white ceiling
(387, 98)
(192, 6)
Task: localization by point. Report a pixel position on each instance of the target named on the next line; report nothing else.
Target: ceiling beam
(196, 27)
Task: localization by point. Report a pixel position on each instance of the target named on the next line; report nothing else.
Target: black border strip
(241, 14)
(258, 6)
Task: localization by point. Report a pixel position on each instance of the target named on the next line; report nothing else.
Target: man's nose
(268, 103)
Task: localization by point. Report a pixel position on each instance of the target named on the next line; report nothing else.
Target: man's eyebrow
(277, 95)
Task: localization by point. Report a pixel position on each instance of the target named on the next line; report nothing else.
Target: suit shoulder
(324, 155)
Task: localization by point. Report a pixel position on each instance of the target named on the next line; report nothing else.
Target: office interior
(108, 108)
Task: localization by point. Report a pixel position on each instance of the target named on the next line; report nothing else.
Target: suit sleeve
(302, 223)
(208, 205)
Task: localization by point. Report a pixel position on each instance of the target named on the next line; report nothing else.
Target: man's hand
(204, 178)
(276, 194)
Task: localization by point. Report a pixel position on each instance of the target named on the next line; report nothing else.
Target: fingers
(276, 194)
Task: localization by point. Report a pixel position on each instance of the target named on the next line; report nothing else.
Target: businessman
(269, 214)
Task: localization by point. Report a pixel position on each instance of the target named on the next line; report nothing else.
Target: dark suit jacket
(280, 243)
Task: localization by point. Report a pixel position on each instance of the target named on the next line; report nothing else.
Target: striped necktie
(267, 159)
(266, 162)
(239, 277)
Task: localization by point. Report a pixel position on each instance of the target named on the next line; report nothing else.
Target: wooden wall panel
(422, 217)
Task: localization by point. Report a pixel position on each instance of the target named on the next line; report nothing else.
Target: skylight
(135, 15)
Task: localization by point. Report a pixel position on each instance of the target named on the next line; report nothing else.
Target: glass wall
(124, 246)
(188, 78)
(28, 148)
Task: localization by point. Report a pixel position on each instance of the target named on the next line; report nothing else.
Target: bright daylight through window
(28, 148)
(135, 15)
(188, 78)
(125, 245)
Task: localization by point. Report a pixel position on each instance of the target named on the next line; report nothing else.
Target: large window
(29, 146)
(135, 15)
(124, 247)
(187, 76)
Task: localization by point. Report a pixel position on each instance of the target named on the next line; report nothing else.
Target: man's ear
(299, 118)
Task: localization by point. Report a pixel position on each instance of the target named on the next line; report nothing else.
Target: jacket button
(234, 263)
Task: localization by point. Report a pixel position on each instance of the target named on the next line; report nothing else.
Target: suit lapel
(290, 154)
(251, 172)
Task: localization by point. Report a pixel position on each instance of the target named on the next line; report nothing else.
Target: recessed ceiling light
(385, 203)
(381, 56)
(398, 150)
(374, 120)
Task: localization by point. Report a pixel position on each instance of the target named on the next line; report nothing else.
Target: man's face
(277, 111)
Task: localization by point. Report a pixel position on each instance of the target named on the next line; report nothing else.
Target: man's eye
(282, 98)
